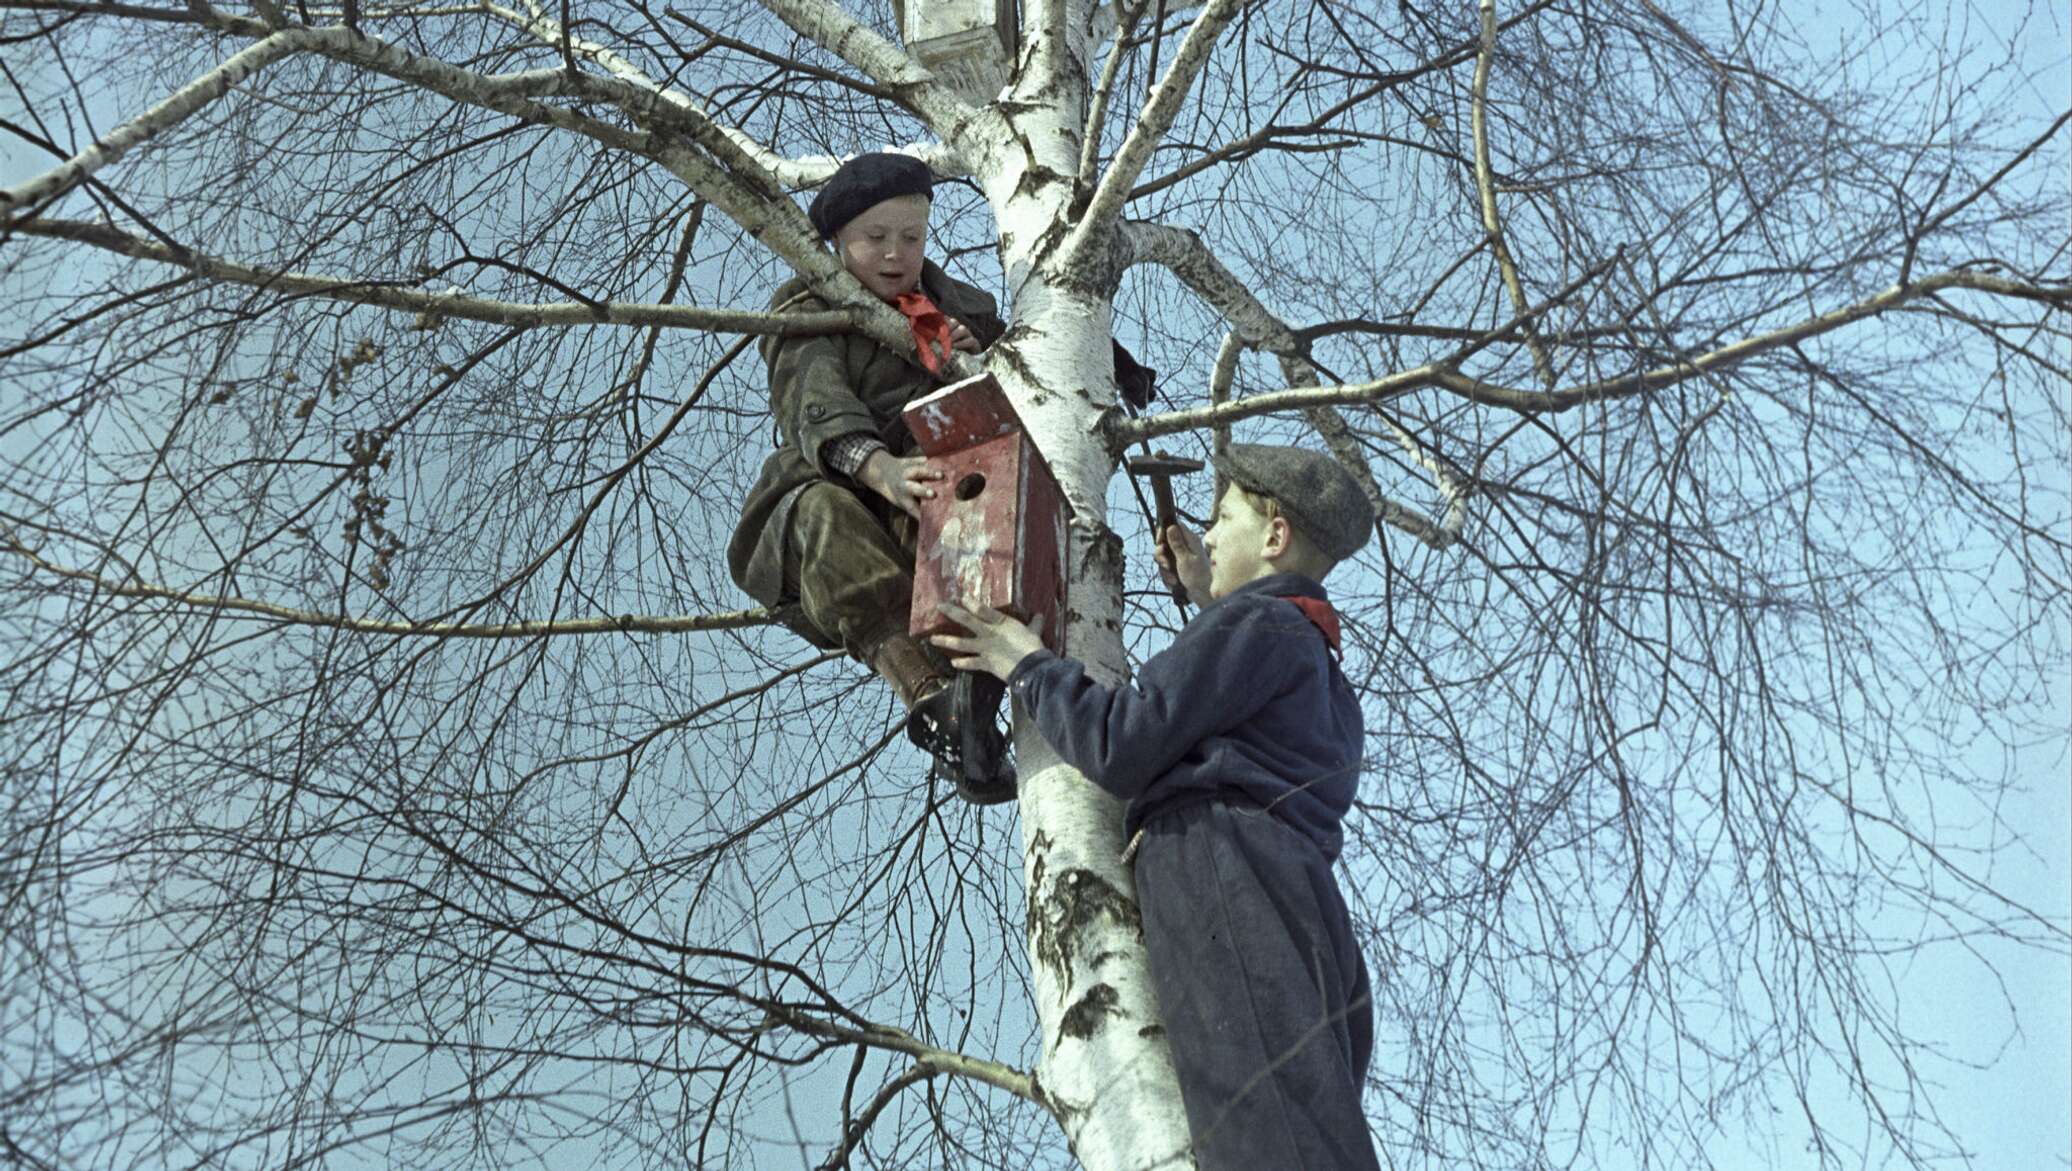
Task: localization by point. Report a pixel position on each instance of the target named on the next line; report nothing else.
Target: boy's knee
(825, 507)
(853, 580)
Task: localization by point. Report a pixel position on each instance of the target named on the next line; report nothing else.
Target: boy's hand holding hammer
(1182, 564)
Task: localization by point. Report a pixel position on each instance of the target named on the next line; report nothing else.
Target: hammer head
(1160, 468)
(1162, 465)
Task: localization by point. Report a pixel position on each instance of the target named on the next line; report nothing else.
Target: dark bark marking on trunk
(1083, 1019)
(1078, 900)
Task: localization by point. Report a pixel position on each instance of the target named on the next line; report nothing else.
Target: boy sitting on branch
(826, 535)
(1238, 751)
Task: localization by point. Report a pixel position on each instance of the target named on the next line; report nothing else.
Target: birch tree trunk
(1105, 1073)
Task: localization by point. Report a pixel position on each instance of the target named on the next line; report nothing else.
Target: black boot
(959, 726)
(988, 778)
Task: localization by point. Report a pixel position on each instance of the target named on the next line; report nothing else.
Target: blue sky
(2006, 1092)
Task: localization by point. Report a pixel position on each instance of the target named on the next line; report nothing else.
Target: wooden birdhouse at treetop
(994, 535)
(967, 44)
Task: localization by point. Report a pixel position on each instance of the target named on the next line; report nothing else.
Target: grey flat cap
(1314, 492)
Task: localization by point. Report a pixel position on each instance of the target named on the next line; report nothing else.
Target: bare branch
(992, 1073)
(1486, 186)
(1104, 92)
(1221, 378)
(795, 173)
(449, 304)
(183, 103)
(1443, 374)
(1188, 258)
(885, 63)
(853, 1132)
(216, 603)
(1266, 137)
(1089, 235)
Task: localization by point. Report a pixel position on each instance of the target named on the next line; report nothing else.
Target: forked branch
(1252, 324)
(183, 104)
(1090, 234)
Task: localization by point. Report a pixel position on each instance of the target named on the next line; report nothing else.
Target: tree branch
(365, 291)
(992, 1073)
(853, 1132)
(810, 171)
(718, 39)
(1104, 91)
(743, 188)
(1222, 377)
(1090, 234)
(184, 103)
(885, 63)
(736, 183)
(1444, 374)
(1486, 186)
(1378, 83)
(1190, 259)
(621, 624)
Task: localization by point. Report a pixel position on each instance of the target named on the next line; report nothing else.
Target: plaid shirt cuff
(848, 453)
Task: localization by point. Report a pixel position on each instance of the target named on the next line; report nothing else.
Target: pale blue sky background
(2015, 1107)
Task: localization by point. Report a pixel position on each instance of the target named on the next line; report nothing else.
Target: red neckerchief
(1321, 616)
(931, 328)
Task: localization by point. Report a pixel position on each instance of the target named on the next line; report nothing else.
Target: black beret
(1317, 496)
(864, 182)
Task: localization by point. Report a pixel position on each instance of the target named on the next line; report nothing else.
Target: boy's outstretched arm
(1226, 666)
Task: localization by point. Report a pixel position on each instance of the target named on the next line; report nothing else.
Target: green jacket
(823, 388)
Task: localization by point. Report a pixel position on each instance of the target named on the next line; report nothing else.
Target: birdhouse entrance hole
(970, 486)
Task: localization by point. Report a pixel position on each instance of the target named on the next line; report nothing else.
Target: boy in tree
(826, 535)
(1238, 751)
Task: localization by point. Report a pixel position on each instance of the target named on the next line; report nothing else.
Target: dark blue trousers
(1262, 989)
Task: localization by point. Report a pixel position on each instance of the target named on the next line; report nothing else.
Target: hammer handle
(1168, 516)
(1162, 492)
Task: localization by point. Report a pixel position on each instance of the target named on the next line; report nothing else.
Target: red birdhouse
(995, 533)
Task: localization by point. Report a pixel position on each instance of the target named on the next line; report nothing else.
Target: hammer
(1160, 468)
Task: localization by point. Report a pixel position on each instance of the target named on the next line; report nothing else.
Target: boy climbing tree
(1238, 751)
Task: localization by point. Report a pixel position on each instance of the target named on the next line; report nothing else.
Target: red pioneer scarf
(931, 328)
(1321, 616)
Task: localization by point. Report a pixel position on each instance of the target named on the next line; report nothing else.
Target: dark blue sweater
(1247, 702)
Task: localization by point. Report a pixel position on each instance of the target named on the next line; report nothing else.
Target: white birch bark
(1105, 1072)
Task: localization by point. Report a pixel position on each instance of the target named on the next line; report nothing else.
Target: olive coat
(826, 387)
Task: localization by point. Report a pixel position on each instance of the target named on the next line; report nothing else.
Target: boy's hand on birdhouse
(996, 642)
(905, 482)
(1182, 563)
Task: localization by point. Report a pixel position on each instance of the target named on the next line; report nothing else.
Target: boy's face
(883, 246)
(1241, 544)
